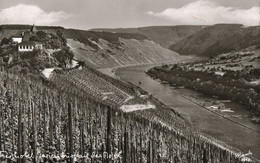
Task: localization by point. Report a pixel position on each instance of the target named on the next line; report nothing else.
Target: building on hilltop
(27, 46)
(28, 34)
(23, 40)
(33, 29)
(24, 36)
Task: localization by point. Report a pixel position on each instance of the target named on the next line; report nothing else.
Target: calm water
(205, 121)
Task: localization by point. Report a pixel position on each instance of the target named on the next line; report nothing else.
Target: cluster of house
(24, 43)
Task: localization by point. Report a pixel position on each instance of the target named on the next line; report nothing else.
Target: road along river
(237, 133)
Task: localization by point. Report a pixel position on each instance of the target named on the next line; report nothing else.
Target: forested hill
(199, 40)
(218, 39)
(163, 35)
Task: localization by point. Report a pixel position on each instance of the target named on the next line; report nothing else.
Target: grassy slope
(218, 39)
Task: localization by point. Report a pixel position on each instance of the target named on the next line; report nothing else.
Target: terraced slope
(56, 117)
(127, 52)
(94, 86)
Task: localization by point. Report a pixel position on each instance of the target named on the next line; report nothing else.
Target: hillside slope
(163, 35)
(103, 49)
(107, 50)
(130, 52)
(218, 39)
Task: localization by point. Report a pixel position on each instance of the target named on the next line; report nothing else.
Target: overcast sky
(86, 14)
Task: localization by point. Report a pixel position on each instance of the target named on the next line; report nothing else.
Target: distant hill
(26, 27)
(163, 35)
(10, 30)
(153, 44)
(84, 36)
(218, 39)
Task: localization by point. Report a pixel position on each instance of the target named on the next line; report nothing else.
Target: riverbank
(233, 118)
(203, 120)
(111, 71)
(210, 84)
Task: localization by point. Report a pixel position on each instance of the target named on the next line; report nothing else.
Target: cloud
(207, 13)
(27, 14)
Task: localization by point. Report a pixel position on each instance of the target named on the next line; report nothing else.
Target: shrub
(5, 41)
(63, 56)
(29, 55)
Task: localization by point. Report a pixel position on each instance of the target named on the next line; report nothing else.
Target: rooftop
(29, 43)
(33, 29)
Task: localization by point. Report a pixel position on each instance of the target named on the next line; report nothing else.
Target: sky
(88, 14)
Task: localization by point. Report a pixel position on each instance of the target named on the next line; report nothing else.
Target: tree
(5, 41)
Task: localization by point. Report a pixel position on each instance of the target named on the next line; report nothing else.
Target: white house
(17, 39)
(24, 36)
(27, 46)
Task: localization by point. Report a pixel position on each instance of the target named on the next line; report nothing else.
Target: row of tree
(226, 87)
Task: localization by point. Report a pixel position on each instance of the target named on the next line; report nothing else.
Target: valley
(57, 100)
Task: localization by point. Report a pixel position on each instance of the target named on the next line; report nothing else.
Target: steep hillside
(67, 120)
(77, 115)
(218, 39)
(163, 35)
(104, 49)
(129, 52)
(107, 50)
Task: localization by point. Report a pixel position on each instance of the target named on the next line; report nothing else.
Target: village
(42, 52)
(22, 39)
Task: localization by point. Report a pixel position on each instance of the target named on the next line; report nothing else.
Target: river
(238, 133)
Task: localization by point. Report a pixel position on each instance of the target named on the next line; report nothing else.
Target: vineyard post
(70, 132)
(154, 147)
(23, 142)
(1, 125)
(23, 134)
(90, 128)
(19, 133)
(34, 132)
(131, 142)
(12, 126)
(54, 118)
(141, 142)
(136, 142)
(49, 105)
(126, 147)
(108, 146)
(82, 133)
(44, 126)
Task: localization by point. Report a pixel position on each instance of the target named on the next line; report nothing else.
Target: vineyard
(68, 119)
(93, 85)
